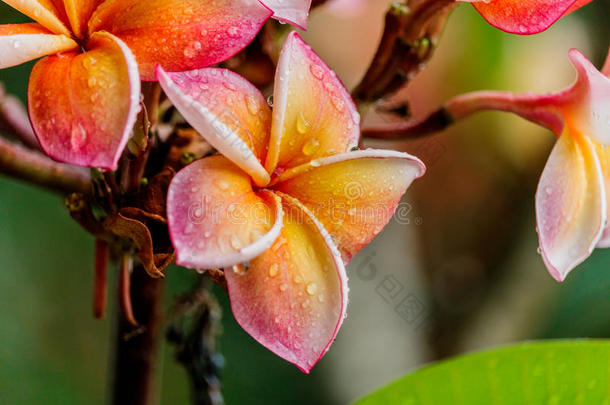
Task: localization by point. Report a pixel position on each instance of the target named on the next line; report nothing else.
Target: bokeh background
(457, 272)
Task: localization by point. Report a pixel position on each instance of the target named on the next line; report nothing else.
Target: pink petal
(181, 35)
(83, 105)
(313, 114)
(292, 299)
(227, 110)
(603, 155)
(354, 194)
(587, 103)
(21, 43)
(524, 16)
(216, 219)
(570, 204)
(290, 11)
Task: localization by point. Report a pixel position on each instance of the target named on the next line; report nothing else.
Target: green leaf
(568, 372)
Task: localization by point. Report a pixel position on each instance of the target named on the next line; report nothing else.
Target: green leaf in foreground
(570, 372)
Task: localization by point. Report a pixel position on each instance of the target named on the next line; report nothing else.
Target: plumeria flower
(288, 195)
(525, 17)
(83, 99)
(574, 191)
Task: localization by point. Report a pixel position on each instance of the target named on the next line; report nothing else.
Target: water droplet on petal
(310, 146)
(235, 242)
(274, 270)
(251, 104)
(316, 71)
(338, 103)
(303, 125)
(240, 269)
(311, 288)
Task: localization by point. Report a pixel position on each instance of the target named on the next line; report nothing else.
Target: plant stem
(539, 109)
(34, 167)
(14, 120)
(411, 32)
(136, 348)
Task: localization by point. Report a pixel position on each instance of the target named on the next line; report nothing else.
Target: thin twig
(537, 109)
(193, 330)
(34, 167)
(99, 278)
(125, 289)
(14, 120)
(433, 123)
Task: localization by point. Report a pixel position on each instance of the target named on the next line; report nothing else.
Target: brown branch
(14, 120)
(33, 167)
(136, 351)
(433, 123)
(408, 42)
(99, 278)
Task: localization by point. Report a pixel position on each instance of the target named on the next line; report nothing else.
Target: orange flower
(573, 196)
(290, 195)
(83, 100)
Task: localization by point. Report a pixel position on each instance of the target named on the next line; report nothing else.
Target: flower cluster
(289, 198)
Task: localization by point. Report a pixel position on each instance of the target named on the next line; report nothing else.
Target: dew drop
(251, 104)
(303, 125)
(222, 184)
(229, 86)
(235, 242)
(310, 146)
(274, 270)
(233, 31)
(316, 71)
(188, 52)
(338, 103)
(311, 288)
(283, 287)
(240, 269)
(298, 279)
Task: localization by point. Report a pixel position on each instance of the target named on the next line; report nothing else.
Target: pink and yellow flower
(573, 196)
(525, 16)
(290, 196)
(83, 99)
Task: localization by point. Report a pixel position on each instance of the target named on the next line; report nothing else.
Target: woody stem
(135, 357)
(31, 166)
(538, 109)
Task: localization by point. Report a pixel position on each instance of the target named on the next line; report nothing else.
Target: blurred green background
(53, 352)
